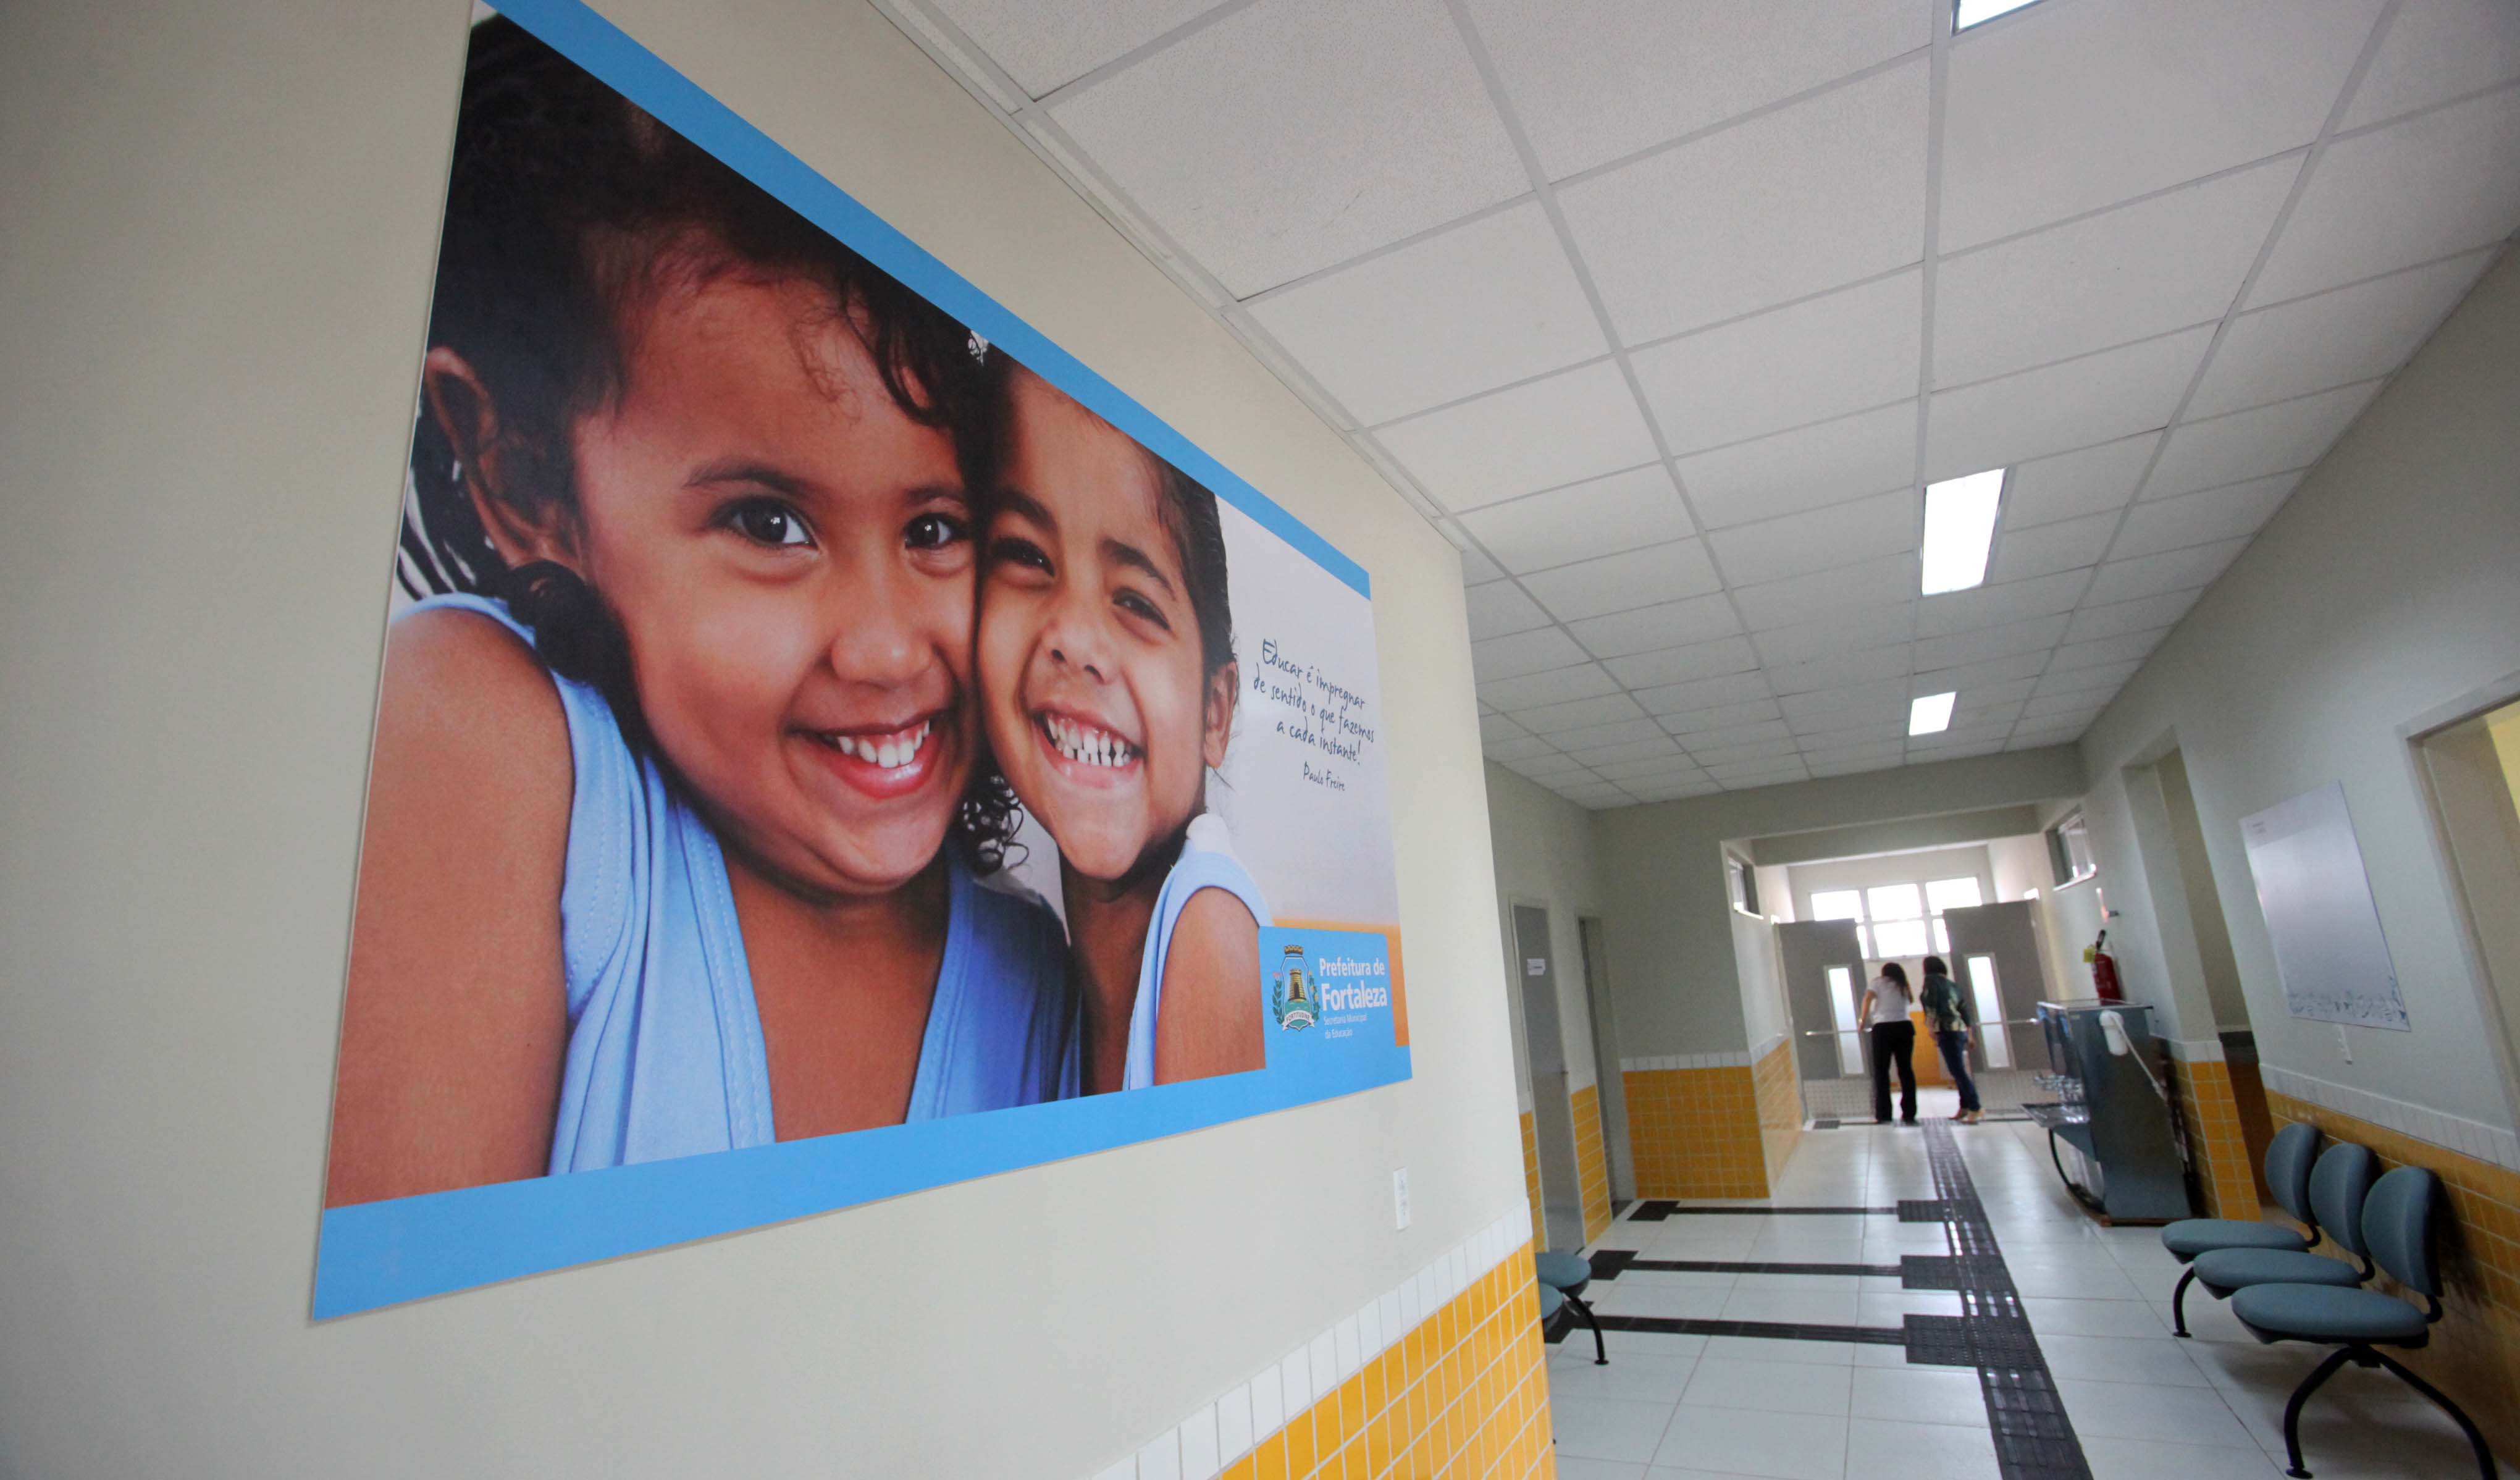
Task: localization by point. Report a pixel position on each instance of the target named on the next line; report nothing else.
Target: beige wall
(2388, 585)
(1544, 856)
(217, 245)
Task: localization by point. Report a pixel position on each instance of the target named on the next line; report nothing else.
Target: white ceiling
(1664, 312)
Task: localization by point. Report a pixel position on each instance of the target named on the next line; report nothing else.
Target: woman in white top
(1894, 1038)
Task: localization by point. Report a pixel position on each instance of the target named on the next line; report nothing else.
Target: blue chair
(2398, 1227)
(2338, 1186)
(2289, 1160)
(1564, 1276)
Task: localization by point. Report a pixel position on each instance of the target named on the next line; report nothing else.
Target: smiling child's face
(790, 556)
(1089, 654)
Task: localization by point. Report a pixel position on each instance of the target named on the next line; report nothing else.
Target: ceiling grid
(1658, 310)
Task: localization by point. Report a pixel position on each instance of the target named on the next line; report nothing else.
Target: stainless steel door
(1552, 1114)
(2001, 942)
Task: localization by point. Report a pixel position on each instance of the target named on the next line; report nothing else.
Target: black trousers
(1894, 1041)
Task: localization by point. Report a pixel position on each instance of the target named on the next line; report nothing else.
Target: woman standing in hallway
(1947, 1014)
(1885, 1014)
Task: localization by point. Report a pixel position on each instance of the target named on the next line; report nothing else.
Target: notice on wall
(2316, 899)
(831, 742)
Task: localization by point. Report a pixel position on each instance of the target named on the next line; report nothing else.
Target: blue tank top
(666, 1055)
(1208, 862)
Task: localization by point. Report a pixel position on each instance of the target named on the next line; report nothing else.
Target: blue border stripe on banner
(409, 1248)
(603, 49)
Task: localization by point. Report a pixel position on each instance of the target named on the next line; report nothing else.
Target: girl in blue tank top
(680, 821)
(1109, 681)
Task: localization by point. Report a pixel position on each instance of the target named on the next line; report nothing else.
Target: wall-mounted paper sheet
(2316, 899)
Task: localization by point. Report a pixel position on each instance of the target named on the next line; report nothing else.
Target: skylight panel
(1959, 526)
(1968, 13)
(1931, 714)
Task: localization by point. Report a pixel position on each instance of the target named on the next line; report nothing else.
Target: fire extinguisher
(2104, 970)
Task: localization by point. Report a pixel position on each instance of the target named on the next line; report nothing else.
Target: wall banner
(831, 744)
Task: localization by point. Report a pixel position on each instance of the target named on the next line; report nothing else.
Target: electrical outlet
(1400, 1198)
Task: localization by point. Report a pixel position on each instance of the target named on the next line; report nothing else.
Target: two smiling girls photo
(754, 604)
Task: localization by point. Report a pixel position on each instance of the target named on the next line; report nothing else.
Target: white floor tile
(1741, 1442)
(1882, 1447)
(2147, 1460)
(2141, 1411)
(2159, 1360)
(1769, 1386)
(1640, 1343)
(1765, 1349)
(1630, 1377)
(1620, 1298)
(1796, 1308)
(1609, 1429)
(2093, 1318)
(1921, 1395)
(1577, 1467)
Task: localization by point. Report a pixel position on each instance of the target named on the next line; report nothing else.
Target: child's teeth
(887, 755)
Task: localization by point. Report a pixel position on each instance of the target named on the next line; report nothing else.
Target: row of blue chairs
(2282, 1292)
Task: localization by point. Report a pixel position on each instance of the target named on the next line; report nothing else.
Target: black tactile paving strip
(1772, 1331)
(1747, 1267)
(1658, 1210)
(1923, 1209)
(2033, 1439)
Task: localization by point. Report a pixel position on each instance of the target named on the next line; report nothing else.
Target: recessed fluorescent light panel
(1959, 525)
(1968, 13)
(1931, 714)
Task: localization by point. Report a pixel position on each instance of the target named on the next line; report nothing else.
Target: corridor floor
(2141, 1403)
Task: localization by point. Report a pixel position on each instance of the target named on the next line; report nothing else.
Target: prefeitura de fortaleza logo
(1294, 998)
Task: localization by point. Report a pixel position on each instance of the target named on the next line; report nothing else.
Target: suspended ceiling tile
(1993, 605)
(1764, 773)
(1673, 791)
(2092, 481)
(1538, 766)
(1699, 694)
(1575, 714)
(2107, 679)
(1675, 665)
(1824, 357)
(1498, 609)
(1647, 629)
(1594, 517)
(2071, 108)
(2036, 635)
(1548, 687)
(2049, 549)
(2148, 268)
(1577, 425)
(1814, 196)
(1494, 728)
(1885, 624)
(2155, 575)
(2434, 185)
(1747, 751)
(1480, 306)
(1675, 769)
(2115, 620)
(1625, 582)
(2253, 444)
(1692, 723)
(1602, 80)
(1659, 748)
(1823, 539)
(1856, 762)
(1887, 734)
(2437, 49)
(1860, 666)
(1805, 469)
(2331, 338)
(2157, 525)
(1477, 569)
(1969, 677)
(1045, 44)
(2056, 408)
(1827, 593)
(1527, 748)
(1522, 653)
(2048, 709)
(1299, 133)
(1613, 733)
(1879, 696)
(2130, 648)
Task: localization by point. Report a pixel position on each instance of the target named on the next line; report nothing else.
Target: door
(1823, 966)
(1612, 1098)
(1552, 1116)
(1994, 957)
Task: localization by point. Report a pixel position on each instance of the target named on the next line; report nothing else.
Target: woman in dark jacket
(1946, 1016)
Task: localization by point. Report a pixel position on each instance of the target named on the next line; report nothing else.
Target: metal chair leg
(2441, 1400)
(1584, 1308)
(2301, 1395)
(2179, 1301)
